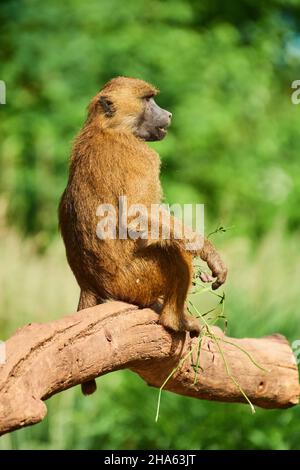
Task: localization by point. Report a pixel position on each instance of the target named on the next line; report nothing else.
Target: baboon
(110, 158)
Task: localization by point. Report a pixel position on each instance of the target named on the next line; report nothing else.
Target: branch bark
(44, 359)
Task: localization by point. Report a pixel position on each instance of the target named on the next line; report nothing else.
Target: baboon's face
(153, 122)
(128, 105)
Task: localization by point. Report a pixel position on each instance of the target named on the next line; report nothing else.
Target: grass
(206, 330)
(262, 297)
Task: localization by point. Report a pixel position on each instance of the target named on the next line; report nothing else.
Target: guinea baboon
(110, 158)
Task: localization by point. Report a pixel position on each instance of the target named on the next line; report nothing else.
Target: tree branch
(44, 359)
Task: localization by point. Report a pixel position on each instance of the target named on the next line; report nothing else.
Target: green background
(225, 70)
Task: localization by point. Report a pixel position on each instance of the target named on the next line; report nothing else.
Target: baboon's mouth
(161, 132)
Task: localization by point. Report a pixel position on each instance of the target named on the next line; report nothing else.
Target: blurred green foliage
(225, 71)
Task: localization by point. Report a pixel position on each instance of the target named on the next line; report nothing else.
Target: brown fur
(108, 161)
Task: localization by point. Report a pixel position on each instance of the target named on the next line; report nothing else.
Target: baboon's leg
(87, 299)
(174, 315)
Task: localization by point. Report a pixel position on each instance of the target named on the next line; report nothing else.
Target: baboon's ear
(107, 106)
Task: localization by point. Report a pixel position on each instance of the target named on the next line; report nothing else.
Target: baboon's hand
(215, 264)
(218, 270)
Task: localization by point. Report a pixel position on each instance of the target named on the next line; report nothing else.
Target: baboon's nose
(169, 117)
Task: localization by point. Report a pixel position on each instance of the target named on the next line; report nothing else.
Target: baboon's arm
(164, 229)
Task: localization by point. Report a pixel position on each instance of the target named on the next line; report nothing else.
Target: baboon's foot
(192, 325)
(180, 323)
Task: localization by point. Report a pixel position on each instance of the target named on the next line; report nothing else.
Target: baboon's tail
(86, 300)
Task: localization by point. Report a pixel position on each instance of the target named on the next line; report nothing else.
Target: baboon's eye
(148, 97)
